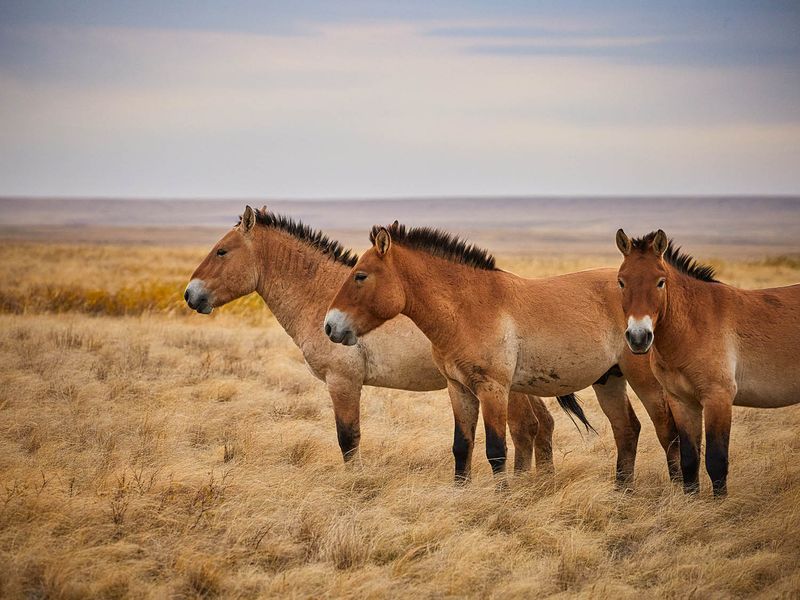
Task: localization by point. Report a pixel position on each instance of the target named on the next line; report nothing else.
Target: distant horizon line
(390, 198)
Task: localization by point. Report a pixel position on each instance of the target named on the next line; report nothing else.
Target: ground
(146, 451)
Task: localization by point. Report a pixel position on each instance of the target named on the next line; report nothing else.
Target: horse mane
(309, 236)
(440, 244)
(685, 263)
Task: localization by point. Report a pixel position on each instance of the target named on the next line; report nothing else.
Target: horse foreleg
(637, 371)
(613, 399)
(465, 415)
(717, 412)
(689, 422)
(655, 403)
(346, 396)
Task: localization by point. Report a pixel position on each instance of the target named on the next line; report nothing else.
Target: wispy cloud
(391, 106)
(725, 44)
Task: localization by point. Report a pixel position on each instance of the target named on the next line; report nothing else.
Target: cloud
(382, 108)
(739, 43)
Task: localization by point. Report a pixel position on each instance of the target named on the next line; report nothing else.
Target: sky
(352, 99)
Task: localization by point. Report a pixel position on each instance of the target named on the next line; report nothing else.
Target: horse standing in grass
(493, 332)
(713, 345)
(297, 271)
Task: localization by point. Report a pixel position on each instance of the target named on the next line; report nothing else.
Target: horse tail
(572, 406)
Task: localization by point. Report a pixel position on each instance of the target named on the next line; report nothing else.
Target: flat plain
(148, 452)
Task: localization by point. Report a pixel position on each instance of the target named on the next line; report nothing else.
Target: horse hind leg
(613, 399)
(346, 397)
(543, 437)
(531, 426)
(524, 427)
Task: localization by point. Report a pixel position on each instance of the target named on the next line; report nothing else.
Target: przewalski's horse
(493, 332)
(297, 271)
(713, 345)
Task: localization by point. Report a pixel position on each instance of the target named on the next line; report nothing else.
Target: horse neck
(678, 316)
(296, 282)
(434, 290)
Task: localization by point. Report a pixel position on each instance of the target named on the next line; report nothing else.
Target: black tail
(572, 406)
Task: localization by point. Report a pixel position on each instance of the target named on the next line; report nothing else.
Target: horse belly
(768, 380)
(555, 372)
(768, 394)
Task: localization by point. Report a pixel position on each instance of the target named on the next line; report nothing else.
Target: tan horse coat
(297, 272)
(493, 331)
(713, 345)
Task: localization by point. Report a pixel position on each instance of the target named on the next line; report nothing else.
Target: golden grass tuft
(159, 453)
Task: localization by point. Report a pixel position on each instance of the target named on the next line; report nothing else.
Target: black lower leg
(690, 464)
(496, 450)
(349, 436)
(717, 461)
(623, 475)
(461, 451)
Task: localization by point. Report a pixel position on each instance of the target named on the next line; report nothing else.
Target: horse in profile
(711, 345)
(297, 270)
(494, 332)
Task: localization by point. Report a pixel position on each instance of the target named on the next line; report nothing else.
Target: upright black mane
(312, 237)
(685, 263)
(439, 243)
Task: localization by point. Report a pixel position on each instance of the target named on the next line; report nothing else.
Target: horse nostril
(327, 329)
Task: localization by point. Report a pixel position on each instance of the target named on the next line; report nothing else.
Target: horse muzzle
(639, 340)
(639, 334)
(197, 297)
(338, 329)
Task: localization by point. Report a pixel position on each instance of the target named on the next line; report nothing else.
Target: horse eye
(221, 252)
(661, 283)
(359, 277)
(621, 283)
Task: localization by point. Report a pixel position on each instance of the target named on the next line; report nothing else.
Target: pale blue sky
(370, 98)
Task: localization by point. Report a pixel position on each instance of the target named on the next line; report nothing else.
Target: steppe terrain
(724, 227)
(147, 451)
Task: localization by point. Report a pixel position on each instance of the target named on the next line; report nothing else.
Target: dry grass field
(149, 452)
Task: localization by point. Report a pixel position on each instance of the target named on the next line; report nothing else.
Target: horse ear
(248, 218)
(263, 209)
(623, 242)
(396, 224)
(660, 242)
(383, 241)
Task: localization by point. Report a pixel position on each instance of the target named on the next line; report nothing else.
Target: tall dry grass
(134, 279)
(104, 280)
(160, 453)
